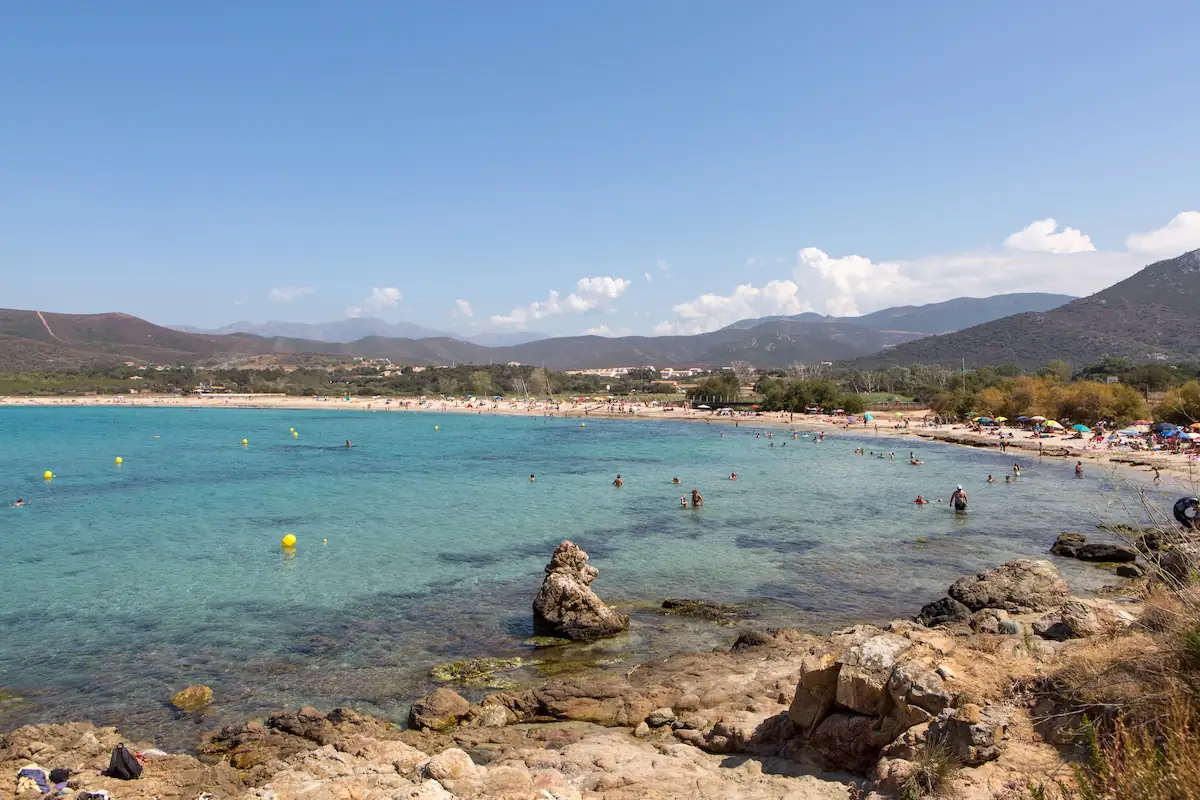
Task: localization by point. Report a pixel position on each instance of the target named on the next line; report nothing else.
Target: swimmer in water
(1016, 470)
(675, 480)
(991, 479)
(531, 478)
(697, 500)
(1078, 469)
(916, 462)
(20, 502)
(683, 501)
(348, 443)
(921, 501)
(958, 498)
(733, 476)
(1008, 478)
(618, 482)
(892, 456)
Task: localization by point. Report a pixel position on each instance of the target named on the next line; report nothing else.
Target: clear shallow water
(121, 585)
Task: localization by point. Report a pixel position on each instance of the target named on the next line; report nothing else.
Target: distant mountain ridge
(354, 328)
(934, 318)
(1153, 314)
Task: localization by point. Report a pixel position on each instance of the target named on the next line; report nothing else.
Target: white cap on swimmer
(960, 487)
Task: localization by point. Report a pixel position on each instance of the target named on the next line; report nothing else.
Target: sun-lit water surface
(121, 585)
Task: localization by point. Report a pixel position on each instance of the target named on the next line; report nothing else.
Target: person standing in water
(1016, 470)
(618, 482)
(683, 501)
(991, 479)
(1078, 469)
(958, 499)
(697, 500)
(531, 478)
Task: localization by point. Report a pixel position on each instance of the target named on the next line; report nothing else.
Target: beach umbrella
(1001, 419)
(1189, 436)
(704, 407)
(1081, 428)
(1053, 424)
(1163, 427)
(1037, 419)
(868, 417)
(1022, 419)
(1129, 432)
(985, 420)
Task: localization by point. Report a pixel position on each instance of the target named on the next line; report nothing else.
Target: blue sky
(661, 166)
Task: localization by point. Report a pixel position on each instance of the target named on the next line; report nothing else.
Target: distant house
(1112, 379)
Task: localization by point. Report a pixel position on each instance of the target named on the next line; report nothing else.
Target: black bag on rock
(123, 765)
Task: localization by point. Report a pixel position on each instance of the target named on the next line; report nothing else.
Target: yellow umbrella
(1051, 424)
(1000, 419)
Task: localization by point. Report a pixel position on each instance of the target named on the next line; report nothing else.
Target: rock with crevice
(1080, 618)
(865, 670)
(973, 735)
(566, 606)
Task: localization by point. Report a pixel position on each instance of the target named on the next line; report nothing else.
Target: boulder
(193, 698)
(437, 711)
(1131, 571)
(1017, 586)
(943, 612)
(816, 689)
(1080, 618)
(916, 685)
(726, 614)
(1068, 544)
(566, 606)
(748, 639)
(660, 717)
(865, 670)
(1107, 552)
(988, 620)
(972, 734)
(451, 765)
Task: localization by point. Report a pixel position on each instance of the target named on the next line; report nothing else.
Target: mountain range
(1155, 311)
(355, 328)
(1151, 315)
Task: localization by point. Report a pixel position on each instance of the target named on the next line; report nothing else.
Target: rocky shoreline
(780, 713)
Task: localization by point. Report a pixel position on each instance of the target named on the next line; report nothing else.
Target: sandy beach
(1183, 469)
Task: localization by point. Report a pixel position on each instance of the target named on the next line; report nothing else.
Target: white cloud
(711, 311)
(602, 330)
(647, 276)
(464, 308)
(663, 265)
(1180, 235)
(241, 301)
(377, 300)
(1040, 237)
(1039, 258)
(589, 294)
(287, 294)
(753, 261)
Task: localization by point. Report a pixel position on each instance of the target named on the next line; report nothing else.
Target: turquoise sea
(120, 585)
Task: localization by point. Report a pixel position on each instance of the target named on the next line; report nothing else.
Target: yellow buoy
(436, 428)
(291, 430)
(583, 424)
(324, 541)
(119, 461)
(289, 540)
(245, 442)
(295, 435)
(47, 475)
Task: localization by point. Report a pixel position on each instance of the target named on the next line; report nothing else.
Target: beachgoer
(1157, 477)
(958, 499)
(618, 482)
(733, 476)
(921, 501)
(697, 500)
(892, 456)
(675, 480)
(531, 478)
(1016, 470)
(348, 443)
(683, 501)
(916, 462)
(991, 479)
(1079, 469)
(1008, 478)
(20, 502)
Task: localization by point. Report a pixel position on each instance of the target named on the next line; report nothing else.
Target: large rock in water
(566, 605)
(193, 698)
(1017, 586)
(438, 711)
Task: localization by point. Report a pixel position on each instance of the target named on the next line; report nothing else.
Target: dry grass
(936, 766)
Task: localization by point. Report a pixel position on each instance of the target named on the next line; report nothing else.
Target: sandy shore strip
(1182, 468)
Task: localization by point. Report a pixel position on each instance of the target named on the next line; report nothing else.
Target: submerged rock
(721, 613)
(1016, 586)
(193, 698)
(474, 670)
(566, 606)
(1068, 544)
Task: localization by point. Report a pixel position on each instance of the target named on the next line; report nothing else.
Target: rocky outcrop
(566, 606)
(437, 711)
(973, 734)
(1075, 545)
(1017, 586)
(193, 698)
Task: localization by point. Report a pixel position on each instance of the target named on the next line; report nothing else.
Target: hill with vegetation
(931, 318)
(1152, 315)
